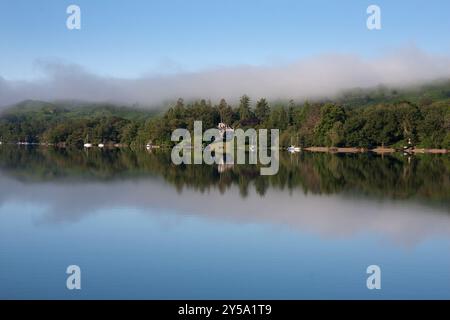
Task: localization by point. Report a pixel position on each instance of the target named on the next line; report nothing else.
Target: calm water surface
(140, 227)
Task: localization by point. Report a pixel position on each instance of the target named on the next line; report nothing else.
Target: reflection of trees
(423, 176)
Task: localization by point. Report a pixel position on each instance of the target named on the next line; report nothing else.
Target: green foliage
(246, 115)
(329, 131)
(360, 118)
(225, 112)
(35, 121)
(262, 111)
(421, 95)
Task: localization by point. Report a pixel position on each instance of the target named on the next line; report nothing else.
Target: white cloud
(319, 76)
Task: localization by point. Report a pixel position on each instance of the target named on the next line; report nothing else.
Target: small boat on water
(252, 146)
(101, 144)
(150, 145)
(87, 144)
(293, 149)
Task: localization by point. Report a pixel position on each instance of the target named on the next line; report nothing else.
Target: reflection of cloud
(332, 216)
(306, 78)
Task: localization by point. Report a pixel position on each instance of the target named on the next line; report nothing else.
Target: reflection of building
(222, 164)
(221, 168)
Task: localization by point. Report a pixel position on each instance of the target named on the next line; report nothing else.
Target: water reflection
(404, 200)
(424, 177)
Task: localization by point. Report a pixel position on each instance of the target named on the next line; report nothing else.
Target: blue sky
(133, 38)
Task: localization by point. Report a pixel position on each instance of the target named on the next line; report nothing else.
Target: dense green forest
(356, 118)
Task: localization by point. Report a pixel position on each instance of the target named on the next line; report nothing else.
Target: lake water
(140, 227)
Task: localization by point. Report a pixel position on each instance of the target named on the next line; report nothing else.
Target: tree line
(425, 123)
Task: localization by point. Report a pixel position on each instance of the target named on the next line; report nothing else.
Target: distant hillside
(65, 109)
(424, 94)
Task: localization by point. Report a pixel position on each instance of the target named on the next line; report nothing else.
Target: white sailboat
(252, 146)
(87, 144)
(292, 148)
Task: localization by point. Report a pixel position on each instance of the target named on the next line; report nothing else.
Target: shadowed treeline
(425, 177)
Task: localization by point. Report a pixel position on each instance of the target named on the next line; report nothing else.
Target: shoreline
(378, 150)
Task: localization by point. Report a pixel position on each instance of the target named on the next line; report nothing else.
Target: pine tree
(262, 111)
(244, 108)
(225, 112)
